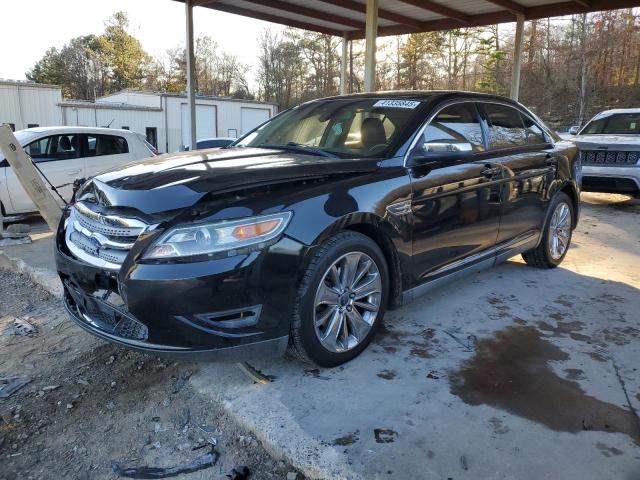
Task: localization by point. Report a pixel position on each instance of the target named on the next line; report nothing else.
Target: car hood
(173, 181)
(611, 142)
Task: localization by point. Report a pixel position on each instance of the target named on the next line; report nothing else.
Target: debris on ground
(239, 473)
(181, 381)
(469, 344)
(385, 435)
(204, 461)
(22, 326)
(10, 385)
(80, 376)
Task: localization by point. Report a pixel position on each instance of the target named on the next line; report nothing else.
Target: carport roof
(347, 17)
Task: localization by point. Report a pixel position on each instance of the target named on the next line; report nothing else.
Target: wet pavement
(511, 373)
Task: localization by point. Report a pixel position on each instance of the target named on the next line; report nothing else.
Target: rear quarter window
(102, 145)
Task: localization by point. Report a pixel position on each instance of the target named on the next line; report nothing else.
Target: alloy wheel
(559, 230)
(347, 302)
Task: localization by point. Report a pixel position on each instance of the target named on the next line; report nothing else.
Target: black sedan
(302, 233)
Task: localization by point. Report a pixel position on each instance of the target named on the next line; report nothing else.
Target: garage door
(205, 122)
(252, 117)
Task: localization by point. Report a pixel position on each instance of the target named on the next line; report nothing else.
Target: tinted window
(100, 145)
(55, 147)
(213, 143)
(618, 124)
(505, 126)
(535, 135)
(457, 123)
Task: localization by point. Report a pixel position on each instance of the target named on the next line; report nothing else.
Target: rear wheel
(557, 234)
(341, 300)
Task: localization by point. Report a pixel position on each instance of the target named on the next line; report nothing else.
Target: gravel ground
(90, 404)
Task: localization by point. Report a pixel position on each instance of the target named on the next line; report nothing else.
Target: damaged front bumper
(228, 309)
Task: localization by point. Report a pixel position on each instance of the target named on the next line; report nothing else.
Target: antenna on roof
(109, 124)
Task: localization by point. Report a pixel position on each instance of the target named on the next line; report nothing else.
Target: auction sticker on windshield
(396, 103)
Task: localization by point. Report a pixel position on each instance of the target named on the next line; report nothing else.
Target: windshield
(347, 128)
(616, 124)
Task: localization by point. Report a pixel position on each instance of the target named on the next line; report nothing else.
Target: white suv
(65, 154)
(610, 151)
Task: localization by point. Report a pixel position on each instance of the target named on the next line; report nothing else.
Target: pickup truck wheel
(556, 238)
(341, 300)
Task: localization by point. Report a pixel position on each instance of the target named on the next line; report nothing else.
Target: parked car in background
(66, 154)
(218, 142)
(302, 233)
(610, 152)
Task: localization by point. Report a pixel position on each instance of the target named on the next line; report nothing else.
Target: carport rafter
(382, 13)
(516, 8)
(440, 10)
(268, 17)
(309, 12)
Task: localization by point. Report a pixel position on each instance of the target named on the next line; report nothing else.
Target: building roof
(27, 83)
(340, 17)
(106, 105)
(134, 91)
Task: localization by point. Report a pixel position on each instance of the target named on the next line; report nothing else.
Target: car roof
(423, 95)
(615, 111)
(71, 129)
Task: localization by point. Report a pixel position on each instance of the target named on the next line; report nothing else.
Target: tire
(543, 255)
(305, 339)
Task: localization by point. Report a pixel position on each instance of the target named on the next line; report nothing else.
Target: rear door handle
(491, 172)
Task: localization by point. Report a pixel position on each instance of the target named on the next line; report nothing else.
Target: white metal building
(162, 117)
(24, 105)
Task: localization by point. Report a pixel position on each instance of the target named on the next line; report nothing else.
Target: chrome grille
(609, 158)
(103, 240)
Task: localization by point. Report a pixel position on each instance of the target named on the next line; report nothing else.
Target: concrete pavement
(513, 373)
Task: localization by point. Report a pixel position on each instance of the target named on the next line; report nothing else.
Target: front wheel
(341, 300)
(556, 238)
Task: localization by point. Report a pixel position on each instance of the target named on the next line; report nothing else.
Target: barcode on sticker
(396, 103)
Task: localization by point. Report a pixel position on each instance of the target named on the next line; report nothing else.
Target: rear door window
(456, 123)
(101, 145)
(506, 129)
(54, 147)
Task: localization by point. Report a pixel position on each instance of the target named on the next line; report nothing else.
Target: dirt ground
(90, 404)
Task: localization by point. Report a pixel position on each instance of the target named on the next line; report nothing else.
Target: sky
(30, 27)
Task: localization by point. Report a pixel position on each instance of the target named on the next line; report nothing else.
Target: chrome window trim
(448, 103)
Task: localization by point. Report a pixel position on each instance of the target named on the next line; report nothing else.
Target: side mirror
(574, 130)
(441, 153)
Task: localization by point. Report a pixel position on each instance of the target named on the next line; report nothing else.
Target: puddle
(510, 372)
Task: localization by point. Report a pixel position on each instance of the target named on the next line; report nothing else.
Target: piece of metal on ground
(12, 385)
(254, 374)
(204, 461)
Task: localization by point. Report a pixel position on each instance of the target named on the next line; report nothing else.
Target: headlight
(222, 236)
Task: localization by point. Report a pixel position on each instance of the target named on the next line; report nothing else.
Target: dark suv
(302, 233)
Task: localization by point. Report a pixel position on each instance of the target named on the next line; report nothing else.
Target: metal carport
(369, 19)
